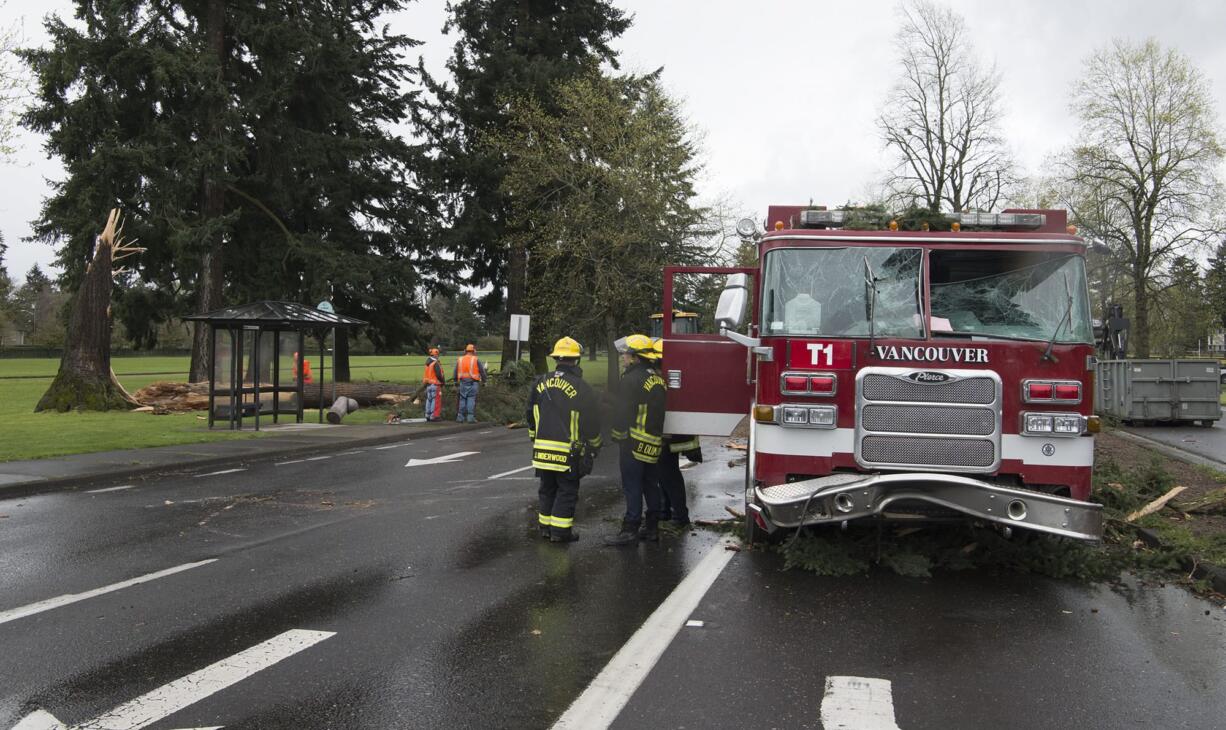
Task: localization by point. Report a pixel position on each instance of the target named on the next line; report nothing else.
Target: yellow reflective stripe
(563, 522)
(545, 520)
(641, 421)
(647, 459)
(617, 434)
(678, 446)
(548, 445)
(596, 441)
(646, 437)
(574, 425)
(549, 466)
(532, 435)
(536, 416)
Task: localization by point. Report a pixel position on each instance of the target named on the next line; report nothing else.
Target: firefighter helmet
(566, 347)
(639, 345)
(657, 349)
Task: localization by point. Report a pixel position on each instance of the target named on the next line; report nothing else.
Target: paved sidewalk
(281, 441)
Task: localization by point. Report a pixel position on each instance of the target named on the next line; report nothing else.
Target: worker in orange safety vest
(433, 378)
(469, 374)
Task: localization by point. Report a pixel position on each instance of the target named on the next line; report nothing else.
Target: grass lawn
(28, 435)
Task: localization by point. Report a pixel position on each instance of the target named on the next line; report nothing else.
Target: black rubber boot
(628, 535)
(563, 534)
(651, 532)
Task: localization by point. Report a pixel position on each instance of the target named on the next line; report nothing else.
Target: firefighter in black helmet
(564, 425)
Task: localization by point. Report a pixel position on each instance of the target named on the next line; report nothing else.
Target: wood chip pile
(174, 396)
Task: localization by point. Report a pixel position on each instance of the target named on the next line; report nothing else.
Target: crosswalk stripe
(862, 703)
(170, 698)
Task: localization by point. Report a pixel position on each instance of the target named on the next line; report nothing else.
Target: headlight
(821, 416)
(795, 416)
(1067, 424)
(1038, 423)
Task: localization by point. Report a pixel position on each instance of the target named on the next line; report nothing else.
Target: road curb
(1169, 450)
(40, 486)
(1216, 575)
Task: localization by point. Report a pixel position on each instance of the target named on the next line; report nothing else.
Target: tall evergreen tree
(1215, 287)
(506, 48)
(250, 145)
(604, 190)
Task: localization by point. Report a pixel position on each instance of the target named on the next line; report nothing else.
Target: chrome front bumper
(840, 497)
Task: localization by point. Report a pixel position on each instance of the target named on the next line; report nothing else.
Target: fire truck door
(709, 377)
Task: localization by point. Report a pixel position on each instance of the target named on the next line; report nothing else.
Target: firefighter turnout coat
(639, 416)
(563, 418)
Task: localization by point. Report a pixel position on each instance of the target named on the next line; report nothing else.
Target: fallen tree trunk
(366, 394)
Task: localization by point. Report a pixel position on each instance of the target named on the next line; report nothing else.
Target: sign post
(519, 330)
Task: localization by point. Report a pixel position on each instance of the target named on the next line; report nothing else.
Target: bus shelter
(259, 364)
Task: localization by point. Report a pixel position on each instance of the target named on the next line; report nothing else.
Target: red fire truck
(893, 374)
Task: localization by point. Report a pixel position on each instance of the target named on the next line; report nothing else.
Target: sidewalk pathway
(281, 441)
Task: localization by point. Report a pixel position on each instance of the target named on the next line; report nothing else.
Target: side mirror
(730, 311)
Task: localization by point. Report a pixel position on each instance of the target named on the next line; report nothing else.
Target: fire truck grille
(979, 391)
(943, 420)
(903, 424)
(928, 451)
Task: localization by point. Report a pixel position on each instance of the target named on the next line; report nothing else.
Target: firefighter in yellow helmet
(564, 424)
(672, 481)
(639, 427)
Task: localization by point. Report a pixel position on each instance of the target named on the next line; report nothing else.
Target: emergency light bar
(816, 218)
(999, 220)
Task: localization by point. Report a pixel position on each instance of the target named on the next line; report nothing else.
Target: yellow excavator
(684, 323)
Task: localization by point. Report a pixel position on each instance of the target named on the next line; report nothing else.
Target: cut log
(1155, 505)
(341, 408)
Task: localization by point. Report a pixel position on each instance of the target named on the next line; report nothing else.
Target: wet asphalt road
(1209, 443)
(446, 611)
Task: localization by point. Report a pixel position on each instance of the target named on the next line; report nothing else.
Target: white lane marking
(21, 612)
(448, 438)
(351, 453)
(317, 458)
(391, 446)
(39, 720)
(509, 473)
(693, 623)
(441, 459)
(863, 703)
(170, 698)
(219, 473)
(608, 693)
(111, 489)
(291, 461)
(484, 433)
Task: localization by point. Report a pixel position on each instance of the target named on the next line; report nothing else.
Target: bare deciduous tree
(12, 87)
(941, 120)
(1142, 177)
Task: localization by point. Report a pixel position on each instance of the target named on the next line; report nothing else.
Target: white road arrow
(441, 459)
(170, 698)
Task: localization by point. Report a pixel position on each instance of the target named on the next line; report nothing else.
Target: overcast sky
(783, 92)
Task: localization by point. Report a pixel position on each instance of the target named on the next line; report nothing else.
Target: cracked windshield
(1013, 294)
(831, 292)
